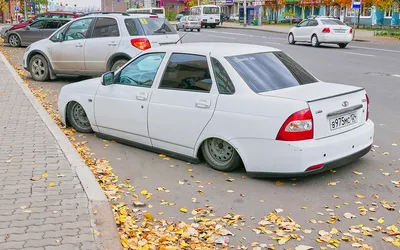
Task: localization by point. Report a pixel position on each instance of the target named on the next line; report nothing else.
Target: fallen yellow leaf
(183, 210)
(381, 220)
(45, 175)
(148, 216)
(37, 178)
(190, 170)
(279, 183)
(52, 184)
(360, 196)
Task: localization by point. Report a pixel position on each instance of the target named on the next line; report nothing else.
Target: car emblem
(345, 104)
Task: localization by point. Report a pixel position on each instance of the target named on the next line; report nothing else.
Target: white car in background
(230, 103)
(96, 43)
(321, 30)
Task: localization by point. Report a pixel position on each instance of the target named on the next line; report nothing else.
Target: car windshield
(193, 18)
(210, 10)
(270, 71)
(156, 26)
(332, 22)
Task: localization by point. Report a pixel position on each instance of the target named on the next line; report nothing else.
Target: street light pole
(245, 13)
(25, 11)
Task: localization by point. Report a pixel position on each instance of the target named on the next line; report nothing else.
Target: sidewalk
(365, 35)
(47, 195)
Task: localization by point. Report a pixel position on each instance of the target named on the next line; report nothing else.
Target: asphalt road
(373, 66)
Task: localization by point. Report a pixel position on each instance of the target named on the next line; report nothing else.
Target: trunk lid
(335, 108)
(159, 31)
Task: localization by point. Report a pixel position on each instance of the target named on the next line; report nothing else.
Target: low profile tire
(118, 64)
(314, 41)
(14, 41)
(291, 39)
(198, 30)
(78, 119)
(220, 155)
(39, 68)
(342, 45)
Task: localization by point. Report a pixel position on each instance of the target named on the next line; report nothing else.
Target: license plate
(343, 121)
(340, 31)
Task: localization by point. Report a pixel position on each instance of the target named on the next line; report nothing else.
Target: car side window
(106, 27)
(224, 83)
(304, 23)
(312, 23)
(78, 29)
(52, 25)
(131, 27)
(142, 71)
(187, 72)
(38, 25)
(182, 19)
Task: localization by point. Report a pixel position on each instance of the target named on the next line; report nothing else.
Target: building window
(366, 12)
(388, 13)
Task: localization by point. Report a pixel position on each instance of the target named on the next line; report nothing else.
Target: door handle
(113, 44)
(79, 45)
(204, 104)
(142, 96)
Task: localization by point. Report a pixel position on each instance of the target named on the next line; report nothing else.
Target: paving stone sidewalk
(34, 215)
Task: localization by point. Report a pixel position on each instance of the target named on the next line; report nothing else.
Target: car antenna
(187, 33)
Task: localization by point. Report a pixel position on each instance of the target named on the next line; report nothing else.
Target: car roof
(119, 15)
(54, 19)
(220, 49)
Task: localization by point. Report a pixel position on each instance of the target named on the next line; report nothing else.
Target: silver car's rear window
(270, 71)
(331, 22)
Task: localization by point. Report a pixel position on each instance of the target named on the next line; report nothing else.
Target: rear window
(270, 71)
(193, 18)
(331, 22)
(156, 26)
(210, 10)
(157, 11)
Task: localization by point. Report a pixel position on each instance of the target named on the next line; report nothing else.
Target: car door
(103, 43)
(121, 109)
(300, 32)
(309, 30)
(33, 32)
(69, 53)
(183, 104)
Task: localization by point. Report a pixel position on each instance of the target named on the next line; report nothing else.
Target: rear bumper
(333, 38)
(264, 157)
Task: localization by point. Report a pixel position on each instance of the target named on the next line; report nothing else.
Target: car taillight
(187, 22)
(141, 43)
(326, 30)
(298, 127)
(366, 96)
(351, 30)
(153, 16)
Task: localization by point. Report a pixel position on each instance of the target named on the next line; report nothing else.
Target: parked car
(295, 19)
(47, 15)
(234, 17)
(94, 44)
(321, 30)
(189, 23)
(216, 99)
(34, 32)
(181, 14)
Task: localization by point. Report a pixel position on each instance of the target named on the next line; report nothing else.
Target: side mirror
(108, 78)
(297, 25)
(27, 28)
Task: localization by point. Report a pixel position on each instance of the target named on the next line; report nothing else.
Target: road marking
(229, 33)
(232, 38)
(396, 75)
(386, 50)
(359, 54)
(274, 43)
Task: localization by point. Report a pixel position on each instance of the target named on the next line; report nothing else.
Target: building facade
(114, 5)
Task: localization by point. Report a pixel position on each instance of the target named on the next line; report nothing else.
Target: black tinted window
(38, 25)
(156, 26)
(210, 10)
(270, 71)
(131, 27)
(53, 25)
(224, 83)
(313, 23)
(106, 27)
(187, 72)
(332, 22)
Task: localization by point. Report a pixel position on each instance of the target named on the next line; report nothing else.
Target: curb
(104, 220)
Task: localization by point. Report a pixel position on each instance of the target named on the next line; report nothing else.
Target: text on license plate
(343, 121)
(340, 31)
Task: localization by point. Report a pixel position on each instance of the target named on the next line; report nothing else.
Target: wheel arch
(90, 117)
(116, 57)
(38, 52)
(197, 150)
(14, 33)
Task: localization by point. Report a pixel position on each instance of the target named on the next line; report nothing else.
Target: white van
(159, 11)
(208, 14)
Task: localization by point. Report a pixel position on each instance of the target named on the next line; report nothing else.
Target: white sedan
(232, 104)
(321, 30)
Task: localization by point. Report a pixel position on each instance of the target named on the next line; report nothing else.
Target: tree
(275, 6)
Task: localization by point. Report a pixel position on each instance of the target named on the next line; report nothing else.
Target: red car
(50, 14)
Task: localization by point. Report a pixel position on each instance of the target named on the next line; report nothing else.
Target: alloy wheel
(38, 68)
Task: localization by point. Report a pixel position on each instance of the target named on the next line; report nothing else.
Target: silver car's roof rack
(107, 12)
